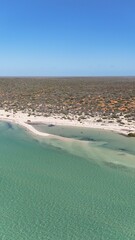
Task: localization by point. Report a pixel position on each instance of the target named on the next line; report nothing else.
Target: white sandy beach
(23, 120)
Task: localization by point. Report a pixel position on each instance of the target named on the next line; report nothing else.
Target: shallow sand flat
(95, 136)
(76, 146)
(107, 147)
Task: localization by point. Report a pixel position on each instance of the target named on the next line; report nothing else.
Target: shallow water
(109, 139)
(56, 189)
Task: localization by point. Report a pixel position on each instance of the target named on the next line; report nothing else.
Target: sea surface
(79, 186)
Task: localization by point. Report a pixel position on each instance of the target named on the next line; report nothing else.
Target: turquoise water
(58, 189)
(110, 139)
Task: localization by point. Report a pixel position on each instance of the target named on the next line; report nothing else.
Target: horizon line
(66, 76)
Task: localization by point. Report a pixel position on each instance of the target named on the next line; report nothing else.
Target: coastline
(26, 121)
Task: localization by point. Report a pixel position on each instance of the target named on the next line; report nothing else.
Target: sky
(67, 38)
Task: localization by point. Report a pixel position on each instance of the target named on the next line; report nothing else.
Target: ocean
(80, 186)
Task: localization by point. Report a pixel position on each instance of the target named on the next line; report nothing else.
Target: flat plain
(69, 97)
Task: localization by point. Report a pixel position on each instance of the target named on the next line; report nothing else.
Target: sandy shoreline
(25, 121)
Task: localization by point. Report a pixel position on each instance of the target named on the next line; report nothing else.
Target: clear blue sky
(67, 37)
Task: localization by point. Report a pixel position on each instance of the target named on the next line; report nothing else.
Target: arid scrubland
(80, 97)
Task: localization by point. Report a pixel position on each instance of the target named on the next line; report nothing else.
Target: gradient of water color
(54, 189)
